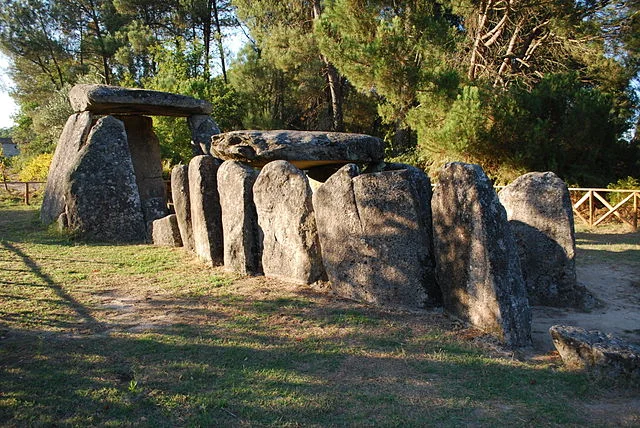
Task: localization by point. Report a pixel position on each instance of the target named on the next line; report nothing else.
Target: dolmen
(317, 206)
(105, 181)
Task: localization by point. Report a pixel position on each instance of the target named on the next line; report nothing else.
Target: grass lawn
(93, 334)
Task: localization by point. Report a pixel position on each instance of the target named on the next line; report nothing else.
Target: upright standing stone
(375, 236)
(202, 127)
(477, 263)
(206, 217)
(291, 250)
(242, 238)
(104, 203)
(165, 232)
(541, 216)
(147, 164)
(181, 204)
(74, 136)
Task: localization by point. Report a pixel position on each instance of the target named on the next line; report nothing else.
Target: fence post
(26, 193)
(590, 208)
(635, 211)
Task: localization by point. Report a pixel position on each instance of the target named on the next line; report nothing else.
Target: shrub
(36, 168)
(629, 183)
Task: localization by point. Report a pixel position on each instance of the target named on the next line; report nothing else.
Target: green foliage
(628, 183)
(36, 168)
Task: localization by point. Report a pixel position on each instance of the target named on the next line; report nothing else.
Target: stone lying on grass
(477, 264)
(206, 217)
(165, 232)
(291, 249)
(105, 99)
(540, 214)
(375, 234)
(242, 238)
(304, 149)
(594, 350)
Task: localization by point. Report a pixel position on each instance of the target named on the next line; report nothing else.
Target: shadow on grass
(187, 378)
(89, 321)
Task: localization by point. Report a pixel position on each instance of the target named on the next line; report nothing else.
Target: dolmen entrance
(315, 206)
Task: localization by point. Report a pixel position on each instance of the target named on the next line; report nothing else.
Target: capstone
(105, 99)
(304, 149)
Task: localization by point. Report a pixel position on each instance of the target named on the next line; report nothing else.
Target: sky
(7, 106)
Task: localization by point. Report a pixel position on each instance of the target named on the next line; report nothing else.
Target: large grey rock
(165, 232)
(182, 204)
(147, 165)
(375, 234)
(102, 199)
(477, 264)
(202, 128)
(540, 213)
(206, 217)
(104, 99)
(304, 149)
(74, 136)
(242, 237)
(596, 351)
(291, 250)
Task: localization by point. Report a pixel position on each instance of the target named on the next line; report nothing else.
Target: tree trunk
(216, 16)
(335, 83)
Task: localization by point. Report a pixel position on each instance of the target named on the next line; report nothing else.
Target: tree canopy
(513, 85)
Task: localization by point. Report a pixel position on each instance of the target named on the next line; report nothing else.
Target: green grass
(140, 335)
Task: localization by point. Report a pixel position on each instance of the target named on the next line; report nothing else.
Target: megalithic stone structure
(130, 108)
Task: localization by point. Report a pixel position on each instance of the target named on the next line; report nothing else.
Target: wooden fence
(591, 206)
(24, 188)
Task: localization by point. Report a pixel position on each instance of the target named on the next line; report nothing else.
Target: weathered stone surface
(291, 250)
(147, 165)
(206, 216)
(477, 264)
(304, 149)
(165, 232)
(104, 99)
(594, 350)
(102, 199)
(541, 217)
(202, 128)
(181, 204)
(242, 237)
(73, 137)
(375, 235)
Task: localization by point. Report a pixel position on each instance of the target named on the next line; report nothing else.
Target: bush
(628, 183)
(36, 168)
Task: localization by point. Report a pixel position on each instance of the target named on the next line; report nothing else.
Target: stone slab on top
(104, 99)
(304, 149)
